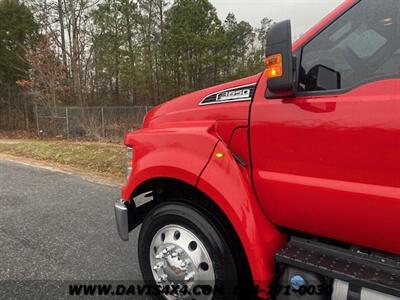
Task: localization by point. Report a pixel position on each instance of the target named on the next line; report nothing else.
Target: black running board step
(338, 263)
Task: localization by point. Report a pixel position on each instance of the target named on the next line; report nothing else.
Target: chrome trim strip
(226, 101)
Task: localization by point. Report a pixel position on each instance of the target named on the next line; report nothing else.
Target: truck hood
(188, 107)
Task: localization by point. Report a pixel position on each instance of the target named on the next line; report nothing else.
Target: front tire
(180, 245)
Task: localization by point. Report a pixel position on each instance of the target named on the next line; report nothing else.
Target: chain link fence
(108, 122)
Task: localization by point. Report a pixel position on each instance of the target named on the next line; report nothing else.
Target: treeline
(119, 52)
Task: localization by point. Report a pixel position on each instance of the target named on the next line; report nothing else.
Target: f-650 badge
(233, 95)
(241, 93)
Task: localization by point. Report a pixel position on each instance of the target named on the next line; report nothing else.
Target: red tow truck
(288, 179)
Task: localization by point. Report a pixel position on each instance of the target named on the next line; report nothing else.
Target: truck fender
(228, 184)
(172, 152)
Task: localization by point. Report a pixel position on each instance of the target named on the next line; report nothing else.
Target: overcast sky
(303, 13)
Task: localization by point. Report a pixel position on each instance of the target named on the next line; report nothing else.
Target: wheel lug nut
(185, 263)
(168, 249)
(164, 277)
(158, 266)
(159, 256)
(174, 254)
(189, 276)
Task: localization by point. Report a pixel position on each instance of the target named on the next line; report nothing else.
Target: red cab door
(327, 162)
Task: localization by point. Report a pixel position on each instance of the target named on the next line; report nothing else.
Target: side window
(361, 46)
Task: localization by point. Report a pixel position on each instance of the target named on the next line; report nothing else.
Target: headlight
(129, 159)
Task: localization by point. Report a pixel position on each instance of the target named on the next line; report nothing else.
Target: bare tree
(62, 31)
(47, 79)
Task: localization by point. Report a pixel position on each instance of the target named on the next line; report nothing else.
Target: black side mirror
(279, 61)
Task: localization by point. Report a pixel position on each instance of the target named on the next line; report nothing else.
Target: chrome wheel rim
(179, 258)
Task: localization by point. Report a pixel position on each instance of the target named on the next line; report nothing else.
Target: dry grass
(104, 159)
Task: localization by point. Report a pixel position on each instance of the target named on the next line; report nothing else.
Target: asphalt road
(56, 228)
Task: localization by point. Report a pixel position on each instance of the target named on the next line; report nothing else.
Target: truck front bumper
(122, 219)
(128, 216)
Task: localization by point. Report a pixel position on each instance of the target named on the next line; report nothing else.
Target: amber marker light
(274, 67)
(219, 155)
